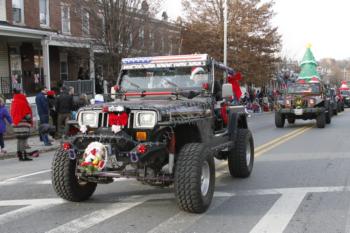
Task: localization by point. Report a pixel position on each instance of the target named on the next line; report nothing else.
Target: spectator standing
(42, 105)
(22, 117)
(64, 107)
(4, 115)
(51, 98)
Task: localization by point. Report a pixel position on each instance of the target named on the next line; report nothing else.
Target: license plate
(298, 112)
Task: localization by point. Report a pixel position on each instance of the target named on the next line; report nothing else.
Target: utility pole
(225, 33)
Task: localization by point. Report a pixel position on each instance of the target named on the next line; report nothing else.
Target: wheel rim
(248, 154)
(205, 178)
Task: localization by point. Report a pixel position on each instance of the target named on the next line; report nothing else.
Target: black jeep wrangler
(170, 118)
(304, 101)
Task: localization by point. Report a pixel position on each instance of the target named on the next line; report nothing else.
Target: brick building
(48, 42)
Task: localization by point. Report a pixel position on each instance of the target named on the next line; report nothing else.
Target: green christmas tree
(308, 66)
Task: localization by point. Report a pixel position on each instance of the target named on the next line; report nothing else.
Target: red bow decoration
(233, 79)
(118, 119)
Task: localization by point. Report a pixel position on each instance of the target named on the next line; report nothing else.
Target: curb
(11, 155)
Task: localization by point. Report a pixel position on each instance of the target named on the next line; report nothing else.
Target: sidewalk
(34, 143)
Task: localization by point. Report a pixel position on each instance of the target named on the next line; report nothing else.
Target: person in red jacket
(22, 117)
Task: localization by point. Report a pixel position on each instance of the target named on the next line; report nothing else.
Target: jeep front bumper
(302, 111)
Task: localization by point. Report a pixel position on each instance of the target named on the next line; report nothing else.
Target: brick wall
(55, 15)
(31, 13)
(9, 10)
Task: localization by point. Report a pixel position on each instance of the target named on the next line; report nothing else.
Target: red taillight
(141, 149)
(66, 146)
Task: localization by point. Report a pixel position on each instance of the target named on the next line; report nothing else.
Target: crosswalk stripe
(278, 217)
(181, 221)
(94, 218)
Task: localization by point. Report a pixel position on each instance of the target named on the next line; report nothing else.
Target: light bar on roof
(164, 61)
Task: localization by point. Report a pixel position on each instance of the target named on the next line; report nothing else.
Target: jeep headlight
(145, 119)
(89, 119)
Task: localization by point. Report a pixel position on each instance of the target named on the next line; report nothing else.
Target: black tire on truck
(279, 120)
(241, 157)
(328, 116)
(321, 120)
(65, 182)
(291, 120)
(194, 178)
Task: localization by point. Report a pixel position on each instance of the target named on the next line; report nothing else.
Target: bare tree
(253, 43)
(117, 28)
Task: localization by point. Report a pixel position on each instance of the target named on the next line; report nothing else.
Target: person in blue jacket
(4, 116)
(42, 105)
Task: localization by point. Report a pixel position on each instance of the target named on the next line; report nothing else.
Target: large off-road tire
(279, 120)
(321, 120)
(194, 178)
(241, 158)
(291, 120)
(335, 111)
(64, 181)
(328, 116)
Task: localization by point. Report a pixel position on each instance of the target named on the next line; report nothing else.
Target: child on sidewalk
(4, 115)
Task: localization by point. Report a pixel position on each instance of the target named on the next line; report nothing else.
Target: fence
(81, 86)
(5, 87)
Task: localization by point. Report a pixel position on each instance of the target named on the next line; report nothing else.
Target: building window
(86, 22)
(2, 10)
(65, 18)
(142, 37)
(63, 66)
(17, 11)
(44, 12)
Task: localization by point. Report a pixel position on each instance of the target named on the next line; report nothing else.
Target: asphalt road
(299, 184)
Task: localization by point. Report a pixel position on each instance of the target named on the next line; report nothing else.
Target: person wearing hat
(22, 117)
(64, 107)
(42, 105)
(51, 98)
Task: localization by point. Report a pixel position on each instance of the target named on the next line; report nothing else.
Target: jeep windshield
(160, 79)
(345, 92)
(313, 88)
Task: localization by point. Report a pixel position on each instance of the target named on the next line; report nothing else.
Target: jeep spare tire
(194, 178)
(241, 157)
(65, 182)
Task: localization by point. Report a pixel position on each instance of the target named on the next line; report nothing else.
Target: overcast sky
(324, 24)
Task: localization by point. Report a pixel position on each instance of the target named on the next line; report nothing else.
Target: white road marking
(278, 217)
(275, 220)
(24, 176)
(183, 220)
(30, 206)
(96, 217)
(43, 182)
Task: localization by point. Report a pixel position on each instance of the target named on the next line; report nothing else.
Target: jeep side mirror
(227, 90)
